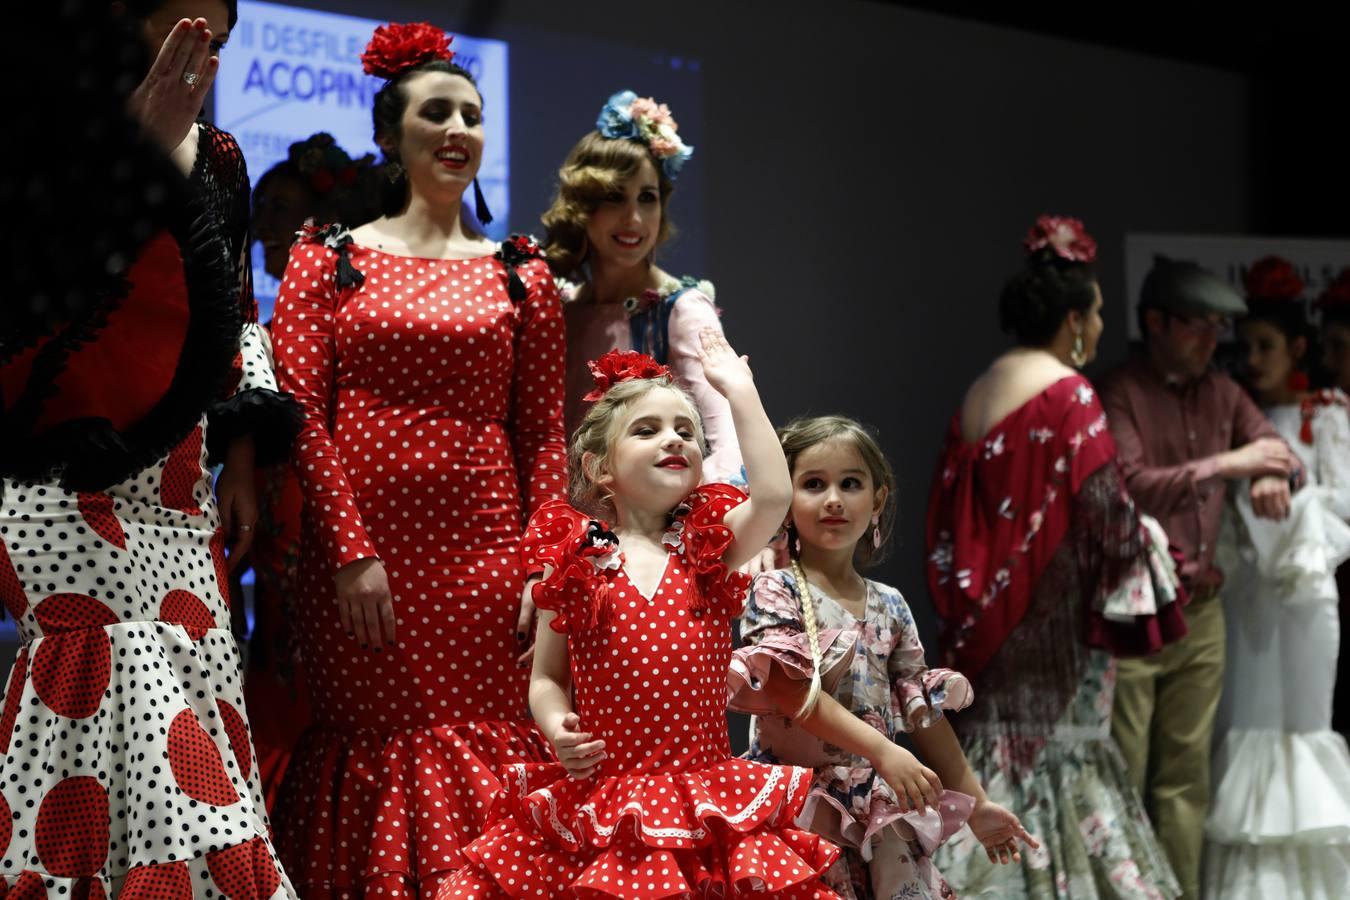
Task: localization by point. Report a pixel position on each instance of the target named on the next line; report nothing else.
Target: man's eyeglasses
(1203, 323)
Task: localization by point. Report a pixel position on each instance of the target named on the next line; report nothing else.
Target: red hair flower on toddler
(622, 365)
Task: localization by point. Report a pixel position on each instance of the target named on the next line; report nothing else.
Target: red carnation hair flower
(622, 365)
(397, 47)
(1064, 236)
(1337, 293)
(1273, 278)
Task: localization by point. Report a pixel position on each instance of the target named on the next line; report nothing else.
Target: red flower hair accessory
(622, 365)
(397, 47)
(1273, 278)
(1063, 236)
(1337, 294)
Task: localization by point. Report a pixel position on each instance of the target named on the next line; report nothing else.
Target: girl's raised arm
(766, 469)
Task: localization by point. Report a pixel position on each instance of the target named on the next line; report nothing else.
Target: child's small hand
(916, 785)
(999, 831)
(725, 371)
(576, 751)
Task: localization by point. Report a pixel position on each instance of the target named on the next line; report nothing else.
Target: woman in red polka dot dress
(125, 761)
(630, 677)
(430, 369)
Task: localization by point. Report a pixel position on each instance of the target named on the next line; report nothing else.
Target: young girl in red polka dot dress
(428, 361)
(630, 676)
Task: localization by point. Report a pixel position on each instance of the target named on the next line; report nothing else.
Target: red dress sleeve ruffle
(700, 534)
(578, 554)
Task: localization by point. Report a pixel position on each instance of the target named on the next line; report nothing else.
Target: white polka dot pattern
(669, 812)
(433, 424)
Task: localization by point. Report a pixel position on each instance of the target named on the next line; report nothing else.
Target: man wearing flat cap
(1184, 430)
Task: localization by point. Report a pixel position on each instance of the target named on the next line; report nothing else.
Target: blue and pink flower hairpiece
(642, 119)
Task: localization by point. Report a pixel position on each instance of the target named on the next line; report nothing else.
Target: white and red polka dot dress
(433, 406)
(125, 761)
(669, 813)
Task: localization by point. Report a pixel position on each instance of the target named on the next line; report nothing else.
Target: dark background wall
(867, 173)
(865, 170)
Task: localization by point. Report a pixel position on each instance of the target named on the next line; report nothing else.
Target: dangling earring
(1078, 355)
(480, 205)
(393, 170)
(876, 531)
(1298, 381)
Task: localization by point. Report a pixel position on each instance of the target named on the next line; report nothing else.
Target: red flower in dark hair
(396, 47)
(1064, 236)
(1337, 293)
(622, 365)
(1273, 278)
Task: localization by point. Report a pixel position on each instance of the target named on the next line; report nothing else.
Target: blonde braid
(812, 635)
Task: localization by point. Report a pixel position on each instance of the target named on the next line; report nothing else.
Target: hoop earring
(1078, 355)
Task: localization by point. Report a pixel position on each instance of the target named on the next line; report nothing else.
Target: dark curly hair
(391, 102)
(1037, 299)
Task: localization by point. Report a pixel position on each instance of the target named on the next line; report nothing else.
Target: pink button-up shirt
(1169, 436)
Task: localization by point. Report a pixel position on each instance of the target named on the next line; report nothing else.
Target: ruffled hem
(1074, 795)
(1273, 787)
(918, 701)
(248, 869)
(1142, 636)
(826, 814)
(1300, 555)
(670, 810)
(751, 666)
(1245, 872)
(1143, 613)
(271, 418)
(557, 836)
(368, 813)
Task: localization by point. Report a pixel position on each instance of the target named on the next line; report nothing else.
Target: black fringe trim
(89, 454)
(271, 418)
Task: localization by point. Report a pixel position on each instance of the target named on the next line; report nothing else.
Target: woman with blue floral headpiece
(609, 216)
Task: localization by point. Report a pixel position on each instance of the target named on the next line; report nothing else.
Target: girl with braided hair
(834, 671)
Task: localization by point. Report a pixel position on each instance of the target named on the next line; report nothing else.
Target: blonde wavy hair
(594, 439)
(595, 168)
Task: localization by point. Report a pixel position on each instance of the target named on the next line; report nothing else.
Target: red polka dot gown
(126, 761)
(433, 425)
(669, 813)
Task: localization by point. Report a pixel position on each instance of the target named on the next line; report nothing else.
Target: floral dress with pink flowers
(874, 667)
(1046, 569)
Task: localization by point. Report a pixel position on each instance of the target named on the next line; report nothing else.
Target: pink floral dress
(874, 666)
